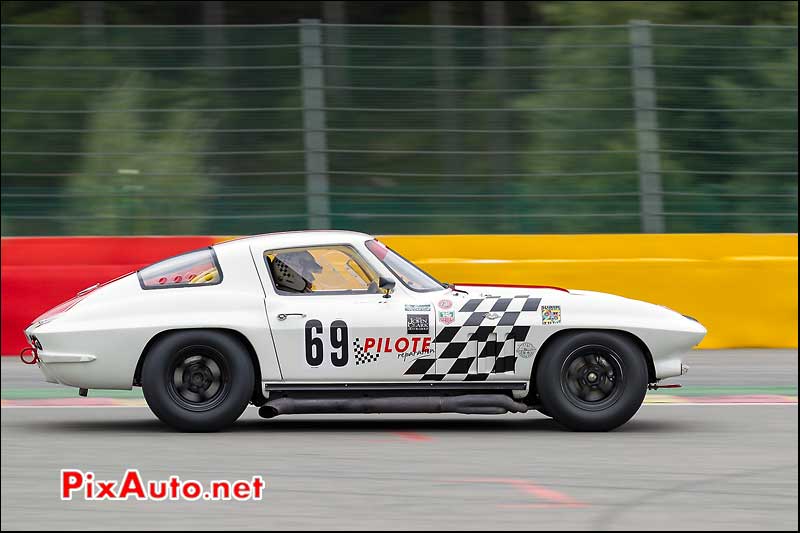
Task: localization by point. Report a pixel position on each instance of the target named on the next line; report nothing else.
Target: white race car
(336, 322)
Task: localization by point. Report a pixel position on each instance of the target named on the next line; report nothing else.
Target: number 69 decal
(315, 348)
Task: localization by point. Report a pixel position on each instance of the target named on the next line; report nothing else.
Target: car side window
(334, 269)
(192, 269)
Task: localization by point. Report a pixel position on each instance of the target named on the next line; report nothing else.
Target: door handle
(284, 316)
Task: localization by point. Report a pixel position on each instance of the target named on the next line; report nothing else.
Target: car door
(340, 327)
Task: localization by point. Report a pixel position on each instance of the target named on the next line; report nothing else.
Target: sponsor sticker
(447, 317)
(404, 347)
(525, 350)
(414, 354)
(418, 324)
(445, 304)
(363, 356)
(416, 308)
(551, 314)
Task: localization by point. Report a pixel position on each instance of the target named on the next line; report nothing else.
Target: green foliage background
(117, 163)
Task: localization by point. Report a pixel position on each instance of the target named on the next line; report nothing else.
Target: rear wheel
(198, 380)
(592, 380)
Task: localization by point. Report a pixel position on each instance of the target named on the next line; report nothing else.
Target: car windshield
(409, 274)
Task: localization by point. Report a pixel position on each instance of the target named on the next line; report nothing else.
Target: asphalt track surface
(674, 466)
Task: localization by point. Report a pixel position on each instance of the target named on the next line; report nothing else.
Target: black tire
(592, 380)
(198, 380)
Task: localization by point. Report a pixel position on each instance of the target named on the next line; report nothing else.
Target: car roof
(288, 239)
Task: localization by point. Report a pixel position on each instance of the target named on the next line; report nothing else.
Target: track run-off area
(720, 453)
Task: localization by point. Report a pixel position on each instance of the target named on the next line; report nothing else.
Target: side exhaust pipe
(480, 404)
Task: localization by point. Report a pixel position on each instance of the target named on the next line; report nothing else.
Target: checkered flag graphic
(363, 357)
(474, 336)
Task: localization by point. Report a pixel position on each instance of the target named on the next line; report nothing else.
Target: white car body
(98, 342)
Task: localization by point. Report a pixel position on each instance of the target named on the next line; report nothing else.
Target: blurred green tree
(135, 181)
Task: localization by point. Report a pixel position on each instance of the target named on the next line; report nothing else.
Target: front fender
(667, 334)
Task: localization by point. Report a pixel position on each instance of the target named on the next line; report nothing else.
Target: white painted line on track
(721, 404)
(698, 404)
(74, 407)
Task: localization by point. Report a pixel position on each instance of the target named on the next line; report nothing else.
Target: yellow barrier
(742, 287)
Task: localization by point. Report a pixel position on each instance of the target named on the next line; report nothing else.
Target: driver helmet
(301, 262)
(295, 270)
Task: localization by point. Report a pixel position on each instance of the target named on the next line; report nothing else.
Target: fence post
(213, 33)
(335, 14)
(496, 38)
(315, 143)
(446, 97)
(495, 35)
(93, 16)
(644, 99)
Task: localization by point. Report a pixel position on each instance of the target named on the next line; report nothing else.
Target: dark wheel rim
(592, 378)
(199, 378)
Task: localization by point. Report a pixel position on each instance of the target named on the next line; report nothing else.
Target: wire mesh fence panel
(398, 129)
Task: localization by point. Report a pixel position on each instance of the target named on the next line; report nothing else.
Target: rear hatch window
(192, 269)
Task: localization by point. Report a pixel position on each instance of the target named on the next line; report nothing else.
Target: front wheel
(592, 380)
(198, 380)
